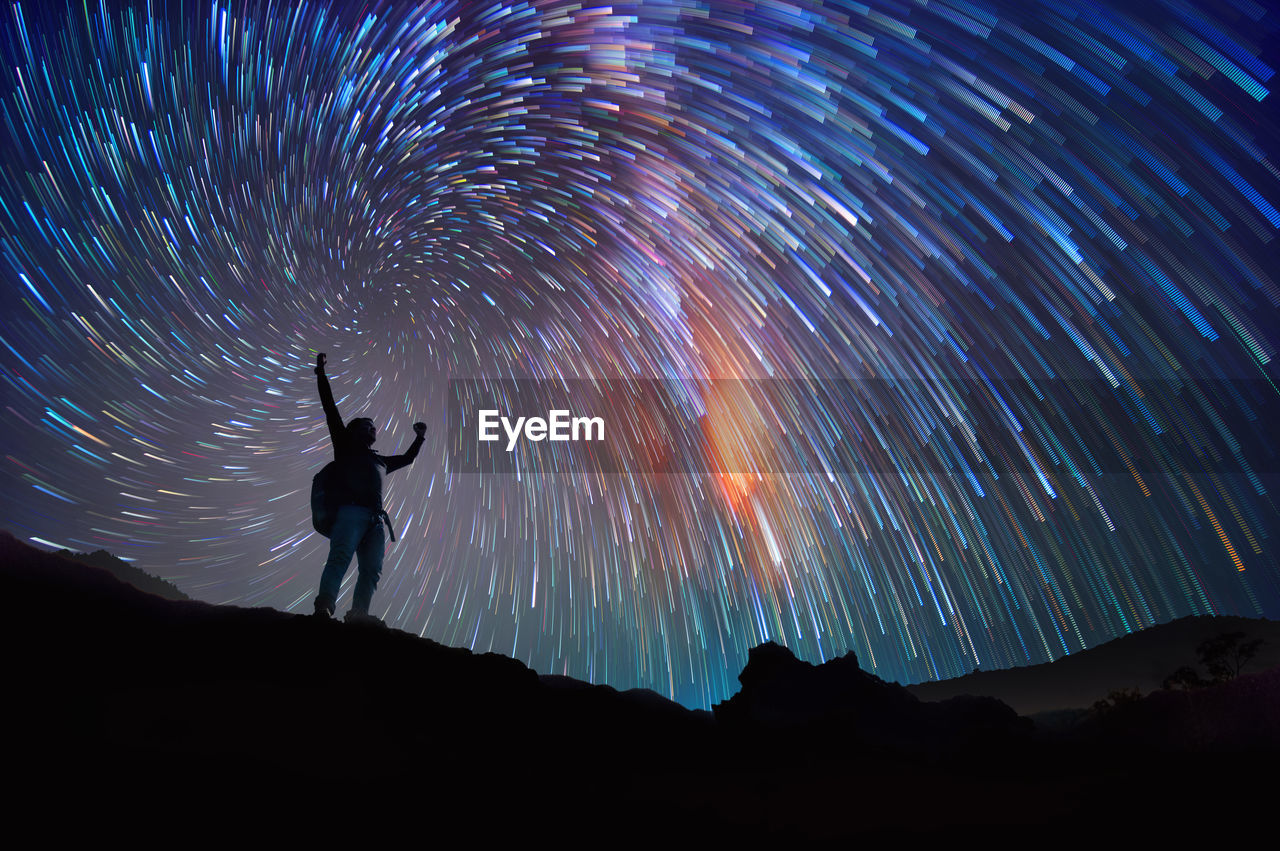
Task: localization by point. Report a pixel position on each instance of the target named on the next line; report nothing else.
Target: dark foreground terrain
(127, 715)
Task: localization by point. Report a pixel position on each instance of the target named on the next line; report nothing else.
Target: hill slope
(1139, 661)
(165, 715)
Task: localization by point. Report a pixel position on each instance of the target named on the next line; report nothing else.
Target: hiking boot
(324, 610)
(363, 618)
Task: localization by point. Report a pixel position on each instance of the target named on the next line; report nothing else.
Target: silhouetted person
(357, 528)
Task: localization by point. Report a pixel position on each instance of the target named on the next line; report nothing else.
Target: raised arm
(337, 431)
(395, 462)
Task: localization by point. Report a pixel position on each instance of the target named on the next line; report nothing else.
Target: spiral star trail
(987, 292)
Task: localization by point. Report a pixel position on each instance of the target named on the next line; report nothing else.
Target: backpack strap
(384, 518)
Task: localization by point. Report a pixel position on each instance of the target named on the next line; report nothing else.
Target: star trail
(972, 307)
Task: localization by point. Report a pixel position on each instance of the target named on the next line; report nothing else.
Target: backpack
(325, 498)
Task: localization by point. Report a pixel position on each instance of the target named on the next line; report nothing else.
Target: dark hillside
(132, 713)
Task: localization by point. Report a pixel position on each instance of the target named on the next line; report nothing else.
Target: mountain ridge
(122, 697)
(1139, 660)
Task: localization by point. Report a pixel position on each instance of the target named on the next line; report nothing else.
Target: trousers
(356, 531)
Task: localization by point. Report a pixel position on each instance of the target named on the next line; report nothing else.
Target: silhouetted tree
(1117, 698)
(1225, 655)
(1185, 678)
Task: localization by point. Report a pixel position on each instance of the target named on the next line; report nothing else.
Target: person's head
(363, 430)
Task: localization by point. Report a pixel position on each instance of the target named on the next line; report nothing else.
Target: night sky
(988, 291)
